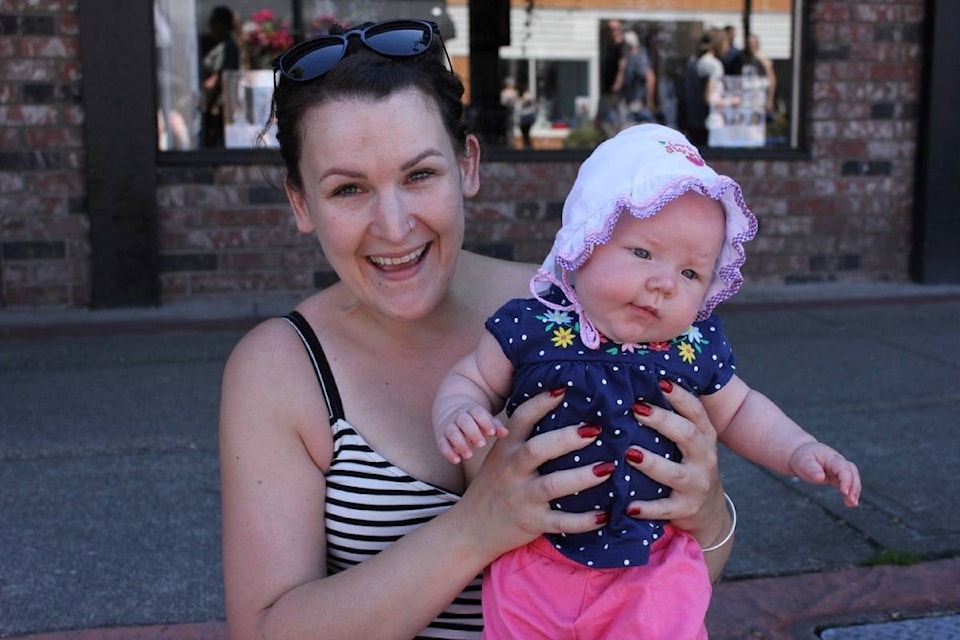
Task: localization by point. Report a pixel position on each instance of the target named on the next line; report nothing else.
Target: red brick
(54, 137)
(49, 47)
(831, 12)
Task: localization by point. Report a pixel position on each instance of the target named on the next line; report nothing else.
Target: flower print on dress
(553, 317)
(694, 335)
(687, 354)
(563, 337)
(688, 344)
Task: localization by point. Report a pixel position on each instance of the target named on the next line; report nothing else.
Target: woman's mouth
(391, 264)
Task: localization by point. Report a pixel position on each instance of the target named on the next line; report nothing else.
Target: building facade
(93, 214)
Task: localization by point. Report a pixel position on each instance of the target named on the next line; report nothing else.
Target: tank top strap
(320, 365)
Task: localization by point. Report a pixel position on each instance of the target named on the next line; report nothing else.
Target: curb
(799, 607)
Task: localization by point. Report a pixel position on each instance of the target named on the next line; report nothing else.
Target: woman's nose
(392, 220)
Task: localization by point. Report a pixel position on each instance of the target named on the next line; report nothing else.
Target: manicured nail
(666, 386)
(589, 431)
(642, 409)
(635, 455)
(556, 393)
(603, 469)
(633, 512)
(602, 518)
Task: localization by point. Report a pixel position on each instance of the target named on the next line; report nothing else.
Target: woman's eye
(345, 190)
(689, 274)
(421, 174)
(641, 253)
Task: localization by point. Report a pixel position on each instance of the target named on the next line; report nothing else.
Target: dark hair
(222, 19)
(711, 40)
(363, 73)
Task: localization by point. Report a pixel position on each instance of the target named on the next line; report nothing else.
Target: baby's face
(647, 283)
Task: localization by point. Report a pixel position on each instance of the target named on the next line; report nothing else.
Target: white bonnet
(640, 170)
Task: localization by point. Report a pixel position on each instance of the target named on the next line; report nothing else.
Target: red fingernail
(635, 455)
(602, 518)
(633, 512)
(589, 431)
(603, 469)
(666, 386)
(642, 408)
(556, 393)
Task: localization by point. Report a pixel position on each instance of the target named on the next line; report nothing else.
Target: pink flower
(265, 37)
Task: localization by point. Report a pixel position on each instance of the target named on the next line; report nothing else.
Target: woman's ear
(301, 212)
(470, 167)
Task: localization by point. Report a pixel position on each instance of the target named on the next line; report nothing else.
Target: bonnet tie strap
(588, 333)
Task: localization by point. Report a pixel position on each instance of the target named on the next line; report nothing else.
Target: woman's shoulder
(268, 354)
(496, 278)
(268, 381)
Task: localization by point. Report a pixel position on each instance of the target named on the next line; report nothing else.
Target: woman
(704, 92)
(224, 55)
(755, 61)
(342, 520)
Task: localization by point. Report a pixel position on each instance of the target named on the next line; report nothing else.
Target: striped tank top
(371, 503)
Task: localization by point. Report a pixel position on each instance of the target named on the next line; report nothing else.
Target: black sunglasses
(395, 38)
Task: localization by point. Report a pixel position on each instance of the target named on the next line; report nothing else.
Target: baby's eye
(689, 274)
(642, 253)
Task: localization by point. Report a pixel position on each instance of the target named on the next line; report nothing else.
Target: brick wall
(843, 214)
(44, 247)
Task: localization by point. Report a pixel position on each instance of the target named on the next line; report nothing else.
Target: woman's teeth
(380, 261)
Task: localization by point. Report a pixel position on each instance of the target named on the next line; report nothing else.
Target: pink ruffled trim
(741, 226)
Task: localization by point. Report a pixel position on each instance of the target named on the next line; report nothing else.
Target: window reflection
(600, 66)
(572, 74)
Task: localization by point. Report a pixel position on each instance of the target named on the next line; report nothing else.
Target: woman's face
(383, 190)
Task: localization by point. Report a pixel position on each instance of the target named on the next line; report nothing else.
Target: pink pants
(536, 592)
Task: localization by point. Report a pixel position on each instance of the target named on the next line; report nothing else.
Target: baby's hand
(468, 431)
(820, 464)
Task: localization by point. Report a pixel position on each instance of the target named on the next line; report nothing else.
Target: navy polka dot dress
(601, 386)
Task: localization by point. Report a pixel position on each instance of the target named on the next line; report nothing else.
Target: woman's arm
(696, 503)
(274, 549)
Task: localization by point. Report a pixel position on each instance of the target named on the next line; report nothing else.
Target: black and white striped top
(371, 503)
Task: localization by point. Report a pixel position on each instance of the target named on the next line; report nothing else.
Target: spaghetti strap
(320, 365)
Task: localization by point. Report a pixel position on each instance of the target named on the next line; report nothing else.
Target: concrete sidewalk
(110, 487)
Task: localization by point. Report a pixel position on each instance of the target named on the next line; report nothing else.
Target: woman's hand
(696, 502)
(508, 502)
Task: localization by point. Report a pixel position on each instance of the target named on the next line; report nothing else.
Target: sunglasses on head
(395, 38)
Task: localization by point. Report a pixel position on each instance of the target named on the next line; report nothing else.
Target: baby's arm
(469, 396)
(753, 426)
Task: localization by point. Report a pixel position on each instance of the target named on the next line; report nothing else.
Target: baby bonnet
(639, 171)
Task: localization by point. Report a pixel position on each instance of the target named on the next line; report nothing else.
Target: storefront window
(573, 72)
(610, 64)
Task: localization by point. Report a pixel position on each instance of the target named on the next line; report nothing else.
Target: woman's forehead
(355, 124)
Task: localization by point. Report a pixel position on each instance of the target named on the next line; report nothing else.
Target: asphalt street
(109, 487)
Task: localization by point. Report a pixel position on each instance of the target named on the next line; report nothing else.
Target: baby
(651, 242)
